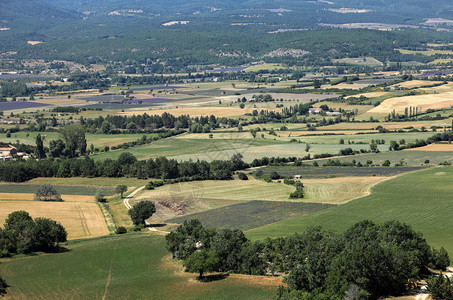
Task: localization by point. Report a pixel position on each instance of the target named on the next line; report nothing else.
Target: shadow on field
(211, 278)
(156, 225)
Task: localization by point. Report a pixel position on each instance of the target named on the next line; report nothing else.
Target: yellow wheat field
(80, 219)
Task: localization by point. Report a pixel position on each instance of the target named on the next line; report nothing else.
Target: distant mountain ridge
(26, 13)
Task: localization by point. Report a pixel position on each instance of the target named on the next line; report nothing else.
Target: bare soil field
(34, 42)
(416, 83)
(81, 219)
(434, 147)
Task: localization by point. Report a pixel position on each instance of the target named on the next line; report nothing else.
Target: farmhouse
(315, 111)
(6, 153)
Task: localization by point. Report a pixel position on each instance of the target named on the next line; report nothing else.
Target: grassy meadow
(135, 266)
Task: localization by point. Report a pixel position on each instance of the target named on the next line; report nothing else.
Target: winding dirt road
(128, 206)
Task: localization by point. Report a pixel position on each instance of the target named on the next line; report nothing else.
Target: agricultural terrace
(421, 199)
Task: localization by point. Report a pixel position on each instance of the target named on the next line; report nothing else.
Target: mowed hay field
(422, 199)
(435, 147)
(234, 190)
(338, 190)
(416, 83)
(439, 100)
(134, 266)
(80, 219)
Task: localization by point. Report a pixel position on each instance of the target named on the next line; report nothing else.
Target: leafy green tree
(89, 167)
(100, 196)
(121, 189)
(141, 211)
(183, 241)
(202, 261)
(440, 287)
(228, 245)
(74, 138)
(3, 286)
(39, 151)
(47, 234)
(56, 148)
(126, 158)
(440, 259)
(47, 192)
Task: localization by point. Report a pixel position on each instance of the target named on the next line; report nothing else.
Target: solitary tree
(121, 189)
(202, 261)
(141, 211)
(47, 192)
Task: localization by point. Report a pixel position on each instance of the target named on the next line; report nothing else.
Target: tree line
(126, 165)
(366, 261)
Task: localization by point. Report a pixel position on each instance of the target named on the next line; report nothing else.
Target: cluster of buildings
(10, 152)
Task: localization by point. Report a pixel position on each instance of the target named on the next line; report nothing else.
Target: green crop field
(134, 266)
(410, 158)
(173, 147)
(329, 172)
(283, 150)
(251, 214)
(422, 199)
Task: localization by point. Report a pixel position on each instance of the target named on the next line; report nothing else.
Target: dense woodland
(136, 39)
(367, 261)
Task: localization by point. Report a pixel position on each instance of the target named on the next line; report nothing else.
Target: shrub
(440, 287)
(100, 197)
(242, 176)
(121, 230)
